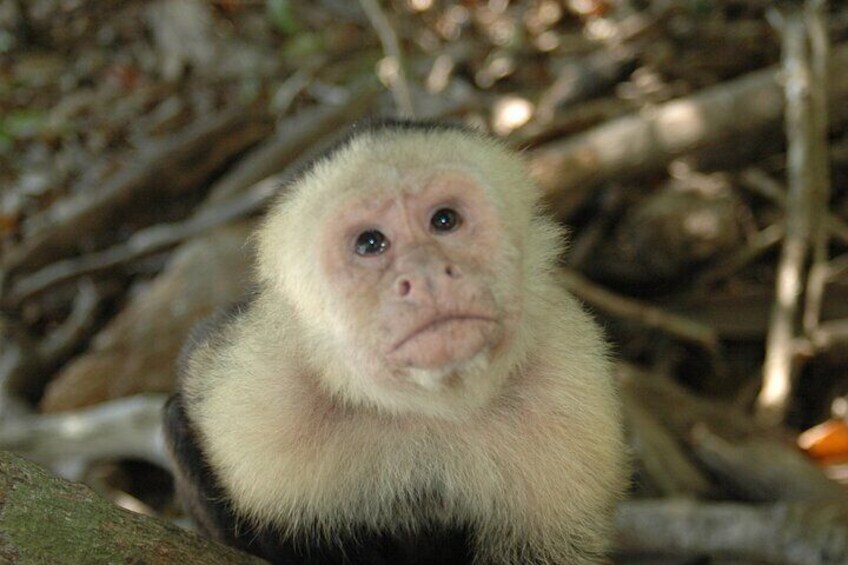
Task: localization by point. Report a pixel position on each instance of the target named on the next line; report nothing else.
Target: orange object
(826, 440)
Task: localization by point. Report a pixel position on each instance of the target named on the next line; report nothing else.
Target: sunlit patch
(681, 122)
(600, 29)
(510, 113)
(702, 223)
(419, 5)
(547, 41)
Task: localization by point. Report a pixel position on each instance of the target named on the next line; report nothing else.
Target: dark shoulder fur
(209, 328)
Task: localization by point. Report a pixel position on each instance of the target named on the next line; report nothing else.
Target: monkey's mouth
(445, 339)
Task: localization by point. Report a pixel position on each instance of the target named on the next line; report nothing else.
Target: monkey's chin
(453, 378)
(451, 392)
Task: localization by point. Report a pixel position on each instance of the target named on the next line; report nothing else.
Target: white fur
(535, 470)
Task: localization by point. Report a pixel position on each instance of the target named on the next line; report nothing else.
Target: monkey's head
(407, 254)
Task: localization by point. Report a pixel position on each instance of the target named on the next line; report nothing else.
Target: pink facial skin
(427, 295)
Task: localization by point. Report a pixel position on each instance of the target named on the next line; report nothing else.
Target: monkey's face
(423, 284)
(405, 257)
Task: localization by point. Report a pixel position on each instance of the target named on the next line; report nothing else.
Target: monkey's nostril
(404, 287)
(452, 271)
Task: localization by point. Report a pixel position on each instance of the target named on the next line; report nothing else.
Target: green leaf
(280, 14)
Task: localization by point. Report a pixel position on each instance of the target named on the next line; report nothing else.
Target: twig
(638, 312)
(141, 244)
(817, 279)
(758, 245)
(26, 364)
(584, 78)
(66, 338)
(762, 184)
(286, 93)
(779, 366)
(837, 268)
(830, 336)
(397, 79)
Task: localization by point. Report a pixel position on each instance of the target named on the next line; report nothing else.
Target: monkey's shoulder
(208, 503)
(212, 330)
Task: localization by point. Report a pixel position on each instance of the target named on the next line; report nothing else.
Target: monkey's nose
(452, 271)
(414, 287)
(404, 287)
(420, 284)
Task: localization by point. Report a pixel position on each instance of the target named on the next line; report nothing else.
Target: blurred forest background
(698, 151)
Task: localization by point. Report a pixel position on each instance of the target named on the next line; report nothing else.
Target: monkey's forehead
(393, 129)
(418, 147)
(391, 155)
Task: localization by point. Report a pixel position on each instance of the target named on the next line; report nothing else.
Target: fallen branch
(640, 313)
(667, 469)
(764, 469)
(45, 519)
(301, 131)
(118, 429)
(568, 170)
(808, 533)
(226, 202)
(754, 461)
(179, 163)
(657, 394)
(742, 312)
(141, 244)
(137, 351)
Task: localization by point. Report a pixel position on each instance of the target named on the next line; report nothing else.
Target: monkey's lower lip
(436, 324)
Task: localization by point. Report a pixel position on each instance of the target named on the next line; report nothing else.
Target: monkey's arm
(197, 488)
(206, 501)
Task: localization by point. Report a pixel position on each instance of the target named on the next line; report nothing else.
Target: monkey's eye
(445, 220)
(371, 242)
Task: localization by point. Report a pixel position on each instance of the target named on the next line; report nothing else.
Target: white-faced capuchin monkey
(409, 383)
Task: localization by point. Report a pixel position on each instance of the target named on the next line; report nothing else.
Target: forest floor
(697, 152)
